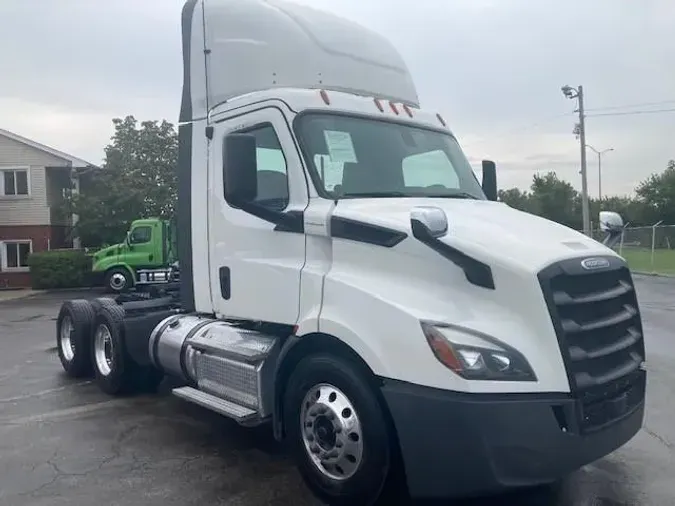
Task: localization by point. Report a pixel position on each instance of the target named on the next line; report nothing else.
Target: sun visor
(242, 46)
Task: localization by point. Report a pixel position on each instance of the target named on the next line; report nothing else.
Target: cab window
(272, 168)
(140, 235)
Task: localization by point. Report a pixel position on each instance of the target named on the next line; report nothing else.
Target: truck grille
(597, 321)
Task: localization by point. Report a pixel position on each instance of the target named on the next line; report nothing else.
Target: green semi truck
(146, 256)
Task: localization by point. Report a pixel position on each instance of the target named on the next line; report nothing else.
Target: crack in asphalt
(41, 393)
(659, 438)
(116, 452)
(30, 318)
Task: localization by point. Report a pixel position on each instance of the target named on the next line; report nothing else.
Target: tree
(657, 195)
(556, 199)
(549, 197)
(632, 210)
(517, 199)
(138, 179)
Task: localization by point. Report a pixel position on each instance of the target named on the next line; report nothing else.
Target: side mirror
(610, 221)
(127, 239)
(240, 169)
(490, 179)
(432, 219)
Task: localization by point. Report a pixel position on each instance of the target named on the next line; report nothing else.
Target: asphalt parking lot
(64, 442)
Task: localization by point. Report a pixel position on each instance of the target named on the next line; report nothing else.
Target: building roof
(75, 162)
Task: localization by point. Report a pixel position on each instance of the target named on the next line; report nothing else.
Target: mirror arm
(285, 221)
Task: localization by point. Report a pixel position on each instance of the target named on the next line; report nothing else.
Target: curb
(654, 274)
(18, 295)
(75, 289)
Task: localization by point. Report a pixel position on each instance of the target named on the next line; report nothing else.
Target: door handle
(225, 283)
(150, 257)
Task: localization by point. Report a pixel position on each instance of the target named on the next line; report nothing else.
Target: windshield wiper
(454, 195)
(397, 194)
(392, 194)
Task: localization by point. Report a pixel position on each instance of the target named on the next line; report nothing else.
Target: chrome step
(239, 413)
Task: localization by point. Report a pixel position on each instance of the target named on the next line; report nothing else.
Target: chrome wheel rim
(331, 432)
(117, 281)
(103, 350)
(67, 344)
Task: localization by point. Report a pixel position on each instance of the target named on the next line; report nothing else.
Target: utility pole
(599, 153)
(585, 212)
(578, 93)
(599, 177)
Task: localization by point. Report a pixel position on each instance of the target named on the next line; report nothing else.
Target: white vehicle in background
(346, 278)
(612, 225)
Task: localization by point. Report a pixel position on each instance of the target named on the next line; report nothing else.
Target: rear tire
(337, 431)
(73, 337)
(118, 280)
(100, 302)
(115, 372)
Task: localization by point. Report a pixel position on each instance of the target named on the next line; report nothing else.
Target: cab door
(255, 264)
(141, 250)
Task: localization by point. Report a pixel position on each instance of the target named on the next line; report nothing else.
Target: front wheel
(118, 280)
(337, 431)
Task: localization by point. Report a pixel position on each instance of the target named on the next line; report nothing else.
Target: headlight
(474, 356)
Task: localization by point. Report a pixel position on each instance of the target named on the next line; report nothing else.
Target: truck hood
(107, 251)
(484, 229)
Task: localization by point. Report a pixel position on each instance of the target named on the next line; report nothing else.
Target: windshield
(354, 157)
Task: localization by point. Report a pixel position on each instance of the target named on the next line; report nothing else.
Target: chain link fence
(649, 249)
(646, 249)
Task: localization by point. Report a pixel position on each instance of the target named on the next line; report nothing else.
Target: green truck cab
(146, 255)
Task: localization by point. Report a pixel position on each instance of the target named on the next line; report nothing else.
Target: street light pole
(599, 153)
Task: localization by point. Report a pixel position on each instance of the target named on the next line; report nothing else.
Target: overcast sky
(493, 68)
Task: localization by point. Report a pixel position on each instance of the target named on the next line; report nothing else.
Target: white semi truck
(347, 279)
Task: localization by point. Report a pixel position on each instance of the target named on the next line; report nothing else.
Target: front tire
(337, 431)
(118, 280)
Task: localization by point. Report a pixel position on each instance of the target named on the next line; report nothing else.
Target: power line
(630, 106)
(510, 131)
(630, 113)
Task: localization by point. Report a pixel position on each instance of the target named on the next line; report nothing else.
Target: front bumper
(459, 445)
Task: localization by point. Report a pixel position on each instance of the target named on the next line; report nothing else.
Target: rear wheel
(73, 337)
(100, 302)
(116, 373)
(337, 431)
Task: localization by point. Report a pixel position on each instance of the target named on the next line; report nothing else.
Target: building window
(15, 255)
(14, 182)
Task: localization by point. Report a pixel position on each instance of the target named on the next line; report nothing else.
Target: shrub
(60, 269)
